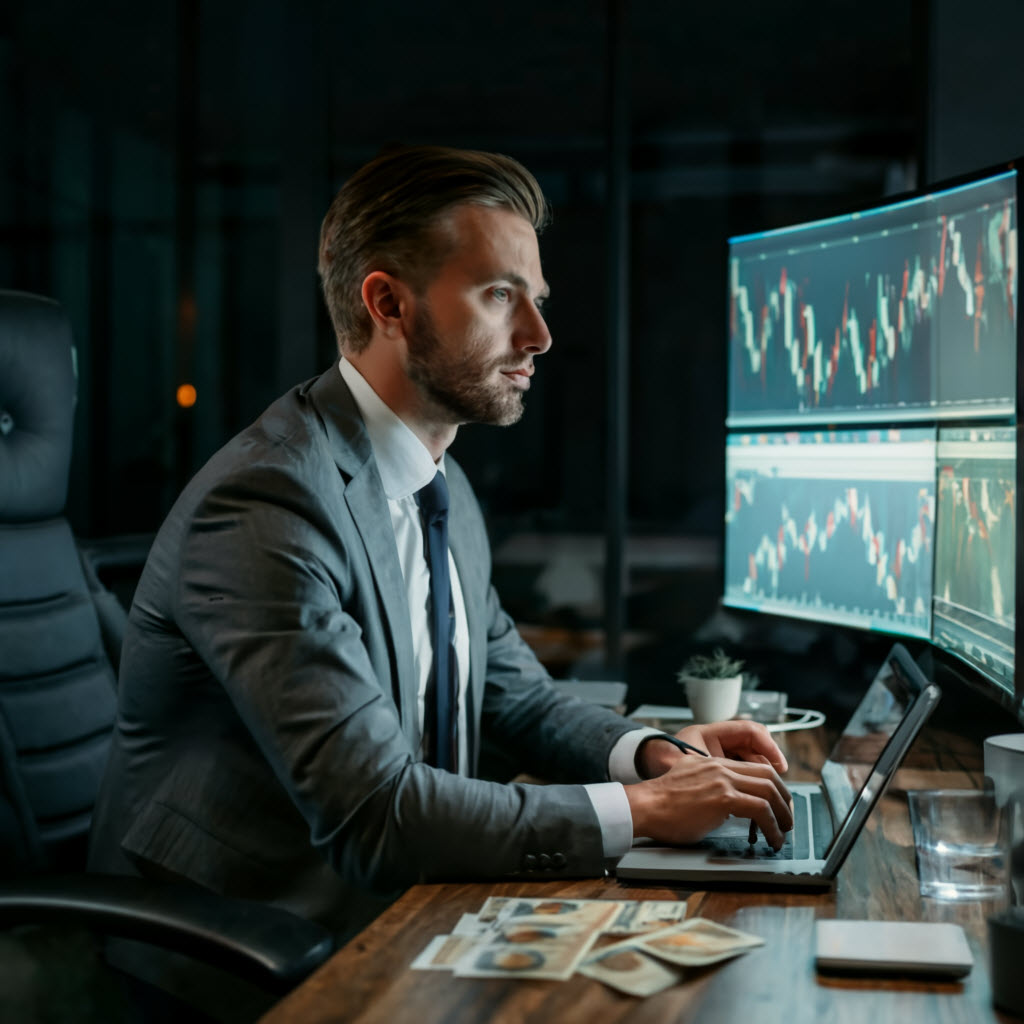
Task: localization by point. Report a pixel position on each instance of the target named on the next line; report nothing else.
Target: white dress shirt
(405, 466)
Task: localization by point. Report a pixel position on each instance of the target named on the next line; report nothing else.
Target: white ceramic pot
(713, 700)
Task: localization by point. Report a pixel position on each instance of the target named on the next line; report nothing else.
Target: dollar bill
(471, 924)
(697, 942)
(443, 952)
(494, 906)
(592, 914)
(637, 916)
(554, 957)
(629, 969)
(536, 940)
(527, 938)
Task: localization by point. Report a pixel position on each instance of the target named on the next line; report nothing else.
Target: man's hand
(686, 795)
(698, 793)
(741, 740)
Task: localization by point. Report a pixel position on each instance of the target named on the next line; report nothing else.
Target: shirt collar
(403, 461)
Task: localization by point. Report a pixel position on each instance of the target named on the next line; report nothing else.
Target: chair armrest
(108, 563)
(265, 944)
(122, 551)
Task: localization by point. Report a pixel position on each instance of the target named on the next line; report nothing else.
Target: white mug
(1004, 768)
(1004, 764)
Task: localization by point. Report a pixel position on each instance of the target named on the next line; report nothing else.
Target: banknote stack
(644, 946)
(649, 963)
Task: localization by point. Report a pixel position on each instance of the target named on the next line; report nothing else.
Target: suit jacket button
(530, 862)
(545, 861)
(558, 860)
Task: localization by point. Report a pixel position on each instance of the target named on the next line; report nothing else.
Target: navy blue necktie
(439, 712)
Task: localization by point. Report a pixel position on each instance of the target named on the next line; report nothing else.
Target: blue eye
(501, 294)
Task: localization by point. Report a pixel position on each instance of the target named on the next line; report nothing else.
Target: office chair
(60, 634)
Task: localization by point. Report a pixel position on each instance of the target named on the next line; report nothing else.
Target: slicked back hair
(388, 216)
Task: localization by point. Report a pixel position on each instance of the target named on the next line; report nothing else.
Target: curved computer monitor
(833, 525)
(873, 410)
(905, 312)
(974, 587)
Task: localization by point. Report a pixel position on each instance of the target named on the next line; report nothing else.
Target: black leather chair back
(57, 686)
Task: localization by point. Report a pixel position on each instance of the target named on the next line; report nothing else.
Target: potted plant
(713, 683)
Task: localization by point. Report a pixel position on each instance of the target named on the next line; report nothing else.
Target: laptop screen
(860, 755)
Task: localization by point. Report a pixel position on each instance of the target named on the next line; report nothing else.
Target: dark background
(164, 168)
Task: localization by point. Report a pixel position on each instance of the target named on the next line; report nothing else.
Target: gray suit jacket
(266, 738)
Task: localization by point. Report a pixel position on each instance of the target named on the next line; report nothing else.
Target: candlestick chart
(903, 313)
(837, 527)
(975, 548)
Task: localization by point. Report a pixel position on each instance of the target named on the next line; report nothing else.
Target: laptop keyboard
(797, 845)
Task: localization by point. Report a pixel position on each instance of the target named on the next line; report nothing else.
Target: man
(277, 736)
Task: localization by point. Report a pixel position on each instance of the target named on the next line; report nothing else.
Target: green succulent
(716, 665)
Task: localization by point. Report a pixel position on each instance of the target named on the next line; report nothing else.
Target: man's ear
(387, 300)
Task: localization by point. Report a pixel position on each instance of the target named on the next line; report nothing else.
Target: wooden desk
(369, 979)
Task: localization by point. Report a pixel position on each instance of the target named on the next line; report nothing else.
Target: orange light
(186, 396)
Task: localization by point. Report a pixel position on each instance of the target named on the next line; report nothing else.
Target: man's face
(478, 324)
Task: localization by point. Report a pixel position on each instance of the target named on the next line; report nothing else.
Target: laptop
(828, 815)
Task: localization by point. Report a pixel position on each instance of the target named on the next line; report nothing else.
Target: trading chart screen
(975, 548)
(905, 312)
(836, 526)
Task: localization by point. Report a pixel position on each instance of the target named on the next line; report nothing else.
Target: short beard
(459, 385)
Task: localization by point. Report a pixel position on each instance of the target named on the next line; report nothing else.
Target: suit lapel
(368, 506)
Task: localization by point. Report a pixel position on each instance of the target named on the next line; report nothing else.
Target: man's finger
(751, 778)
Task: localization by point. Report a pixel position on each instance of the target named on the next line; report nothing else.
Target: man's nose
(532, 333)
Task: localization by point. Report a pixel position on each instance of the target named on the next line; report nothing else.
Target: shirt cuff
(614, 816)
(622, 759)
